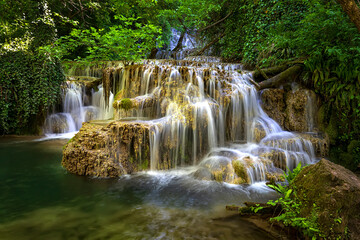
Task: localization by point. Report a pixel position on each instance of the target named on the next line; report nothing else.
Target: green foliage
(29, 85)
(128, 41)
(268, 33)
(291, 208)
(125, 104)
(349, 157)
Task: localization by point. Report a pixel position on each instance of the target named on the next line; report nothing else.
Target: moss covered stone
(333, 194)
(332, 129)
(125, 104)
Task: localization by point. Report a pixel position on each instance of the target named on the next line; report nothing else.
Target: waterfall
(195, 112)
(207, 114)
(78, 107)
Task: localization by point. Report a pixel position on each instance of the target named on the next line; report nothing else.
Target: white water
(77, 107)
(203, 113)
(201, 107)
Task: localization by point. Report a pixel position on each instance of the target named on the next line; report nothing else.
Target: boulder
(333, 193)
(108, 151)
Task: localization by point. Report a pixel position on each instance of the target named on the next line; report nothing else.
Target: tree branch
(209, 44)
(278, 80)
(210, 26)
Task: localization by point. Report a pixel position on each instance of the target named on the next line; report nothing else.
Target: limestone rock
(292, 110)
(274, 104)
(320, 142)
(336, 193)
(108, 151)
(300, 110)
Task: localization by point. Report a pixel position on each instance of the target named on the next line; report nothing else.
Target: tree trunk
(258, 73)
(153, 53)
(179, 44)
(209, 45)
(265, 73)
(352, 10)
(281, 78)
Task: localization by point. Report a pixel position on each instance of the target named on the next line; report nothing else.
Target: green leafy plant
(29, 87)
(128, 41)
(291, 208)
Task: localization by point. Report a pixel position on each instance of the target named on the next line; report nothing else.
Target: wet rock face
(320, 142)
(335, 191)
(89, 83)
(296, 103)
(274, 104)
(292, 110)
(108, 151)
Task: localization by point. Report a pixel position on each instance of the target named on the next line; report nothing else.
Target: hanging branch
(214, 24)
(179, 44)
(209, 45)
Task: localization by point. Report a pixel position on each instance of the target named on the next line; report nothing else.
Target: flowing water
(206, 114)
(205, 123)
(40, 200)
(77, 108)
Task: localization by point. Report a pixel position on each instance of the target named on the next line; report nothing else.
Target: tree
(352, 10)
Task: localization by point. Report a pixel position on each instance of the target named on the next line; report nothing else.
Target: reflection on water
(40, 200)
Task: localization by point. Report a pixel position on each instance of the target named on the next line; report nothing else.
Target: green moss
(131, 159)
(240, 170)
(125, 104)
(354, 147)
(218, 175)
(322, 117)
(145, 165)
(332, 129)
(118, 95)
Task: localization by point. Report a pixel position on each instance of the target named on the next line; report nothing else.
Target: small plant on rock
(125, 104)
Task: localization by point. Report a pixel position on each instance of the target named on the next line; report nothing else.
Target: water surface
(41, 200)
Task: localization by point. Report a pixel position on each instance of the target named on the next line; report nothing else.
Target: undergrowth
(290, 214)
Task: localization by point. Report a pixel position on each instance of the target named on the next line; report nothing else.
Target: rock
(259, 133)
(292, 110)
(300, 116)
(273, 104)
(320, 142)
(203, 174)
(88, 82)
(108, 151)
(333, 192)
(276, 156)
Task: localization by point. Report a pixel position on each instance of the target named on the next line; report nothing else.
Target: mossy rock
(322, 117)
(125, 104)
(332, 129)
(354, 147)
(119, 95)
(332, 194)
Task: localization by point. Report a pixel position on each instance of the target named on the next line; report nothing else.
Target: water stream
(206, 124)
(40, 200)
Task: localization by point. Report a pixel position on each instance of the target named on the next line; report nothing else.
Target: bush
(29, 85)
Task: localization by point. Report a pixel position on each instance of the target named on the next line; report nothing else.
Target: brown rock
(274, 104)
(320, 142)
(108, 151)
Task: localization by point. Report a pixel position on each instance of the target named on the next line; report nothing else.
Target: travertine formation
(170, 114)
